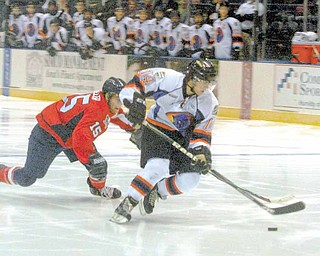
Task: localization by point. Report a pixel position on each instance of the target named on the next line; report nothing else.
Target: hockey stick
(294, 207)
(216, 174)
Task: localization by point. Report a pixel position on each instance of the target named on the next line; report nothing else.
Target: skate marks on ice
(58, 215)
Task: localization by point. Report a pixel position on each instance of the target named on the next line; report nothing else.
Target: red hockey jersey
(77, 120)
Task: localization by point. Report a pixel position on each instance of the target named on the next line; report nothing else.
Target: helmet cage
(202, 70)
(113, 86)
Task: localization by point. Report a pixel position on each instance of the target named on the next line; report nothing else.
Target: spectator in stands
(31, 25)
(132, 10)
(120, 31)
(107, 10)
(198, 6)
(15, 34)
(140, 29)
(213, 10)
(201, 36)
(53, 12)
(79, 27)
(93, 41)
(167, 6)
(158, 31)
(227, 35)
(147, 4)
(184, 12)
(78, 15)
(177, 36)
(245, 14)
(57, 37)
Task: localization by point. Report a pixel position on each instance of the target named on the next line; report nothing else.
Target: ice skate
(122, 213)
(106, 192)
(148, 203)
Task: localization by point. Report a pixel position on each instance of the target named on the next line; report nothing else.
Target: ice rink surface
(58, 216)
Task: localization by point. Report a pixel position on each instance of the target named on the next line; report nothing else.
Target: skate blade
(141, 208)
(119, 219)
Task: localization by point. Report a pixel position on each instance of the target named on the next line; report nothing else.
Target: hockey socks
(98, 184)
(7, 174)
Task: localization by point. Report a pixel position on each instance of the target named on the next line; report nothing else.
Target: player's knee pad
(156, 169)
(187, 181)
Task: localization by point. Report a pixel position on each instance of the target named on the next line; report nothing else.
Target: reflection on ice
(58, 215)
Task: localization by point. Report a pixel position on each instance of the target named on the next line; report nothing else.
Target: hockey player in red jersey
(71, 125)
(185, 110)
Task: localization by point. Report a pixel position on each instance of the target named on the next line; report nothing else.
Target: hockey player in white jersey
(78, 15)
(53, 13)
(120, 30)
(80, 28)
(57, 37)
(15, 34)
(31, 22)
(140, 30)
(93, 42)
(200, 35)
(177, 36)
(185, 110)
(158, 30)
(227, 35)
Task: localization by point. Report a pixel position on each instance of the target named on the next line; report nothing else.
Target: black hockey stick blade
(264, 198)
(295, 207)
(290, 208)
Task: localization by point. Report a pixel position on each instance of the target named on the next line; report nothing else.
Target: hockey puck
(272, 229)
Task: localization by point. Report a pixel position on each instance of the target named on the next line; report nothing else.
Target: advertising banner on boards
(296, 88)
(65, 72)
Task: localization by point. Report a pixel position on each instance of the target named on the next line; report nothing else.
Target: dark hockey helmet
(113, 85)
(201, 70)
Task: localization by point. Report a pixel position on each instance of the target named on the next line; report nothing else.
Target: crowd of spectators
(181, 28)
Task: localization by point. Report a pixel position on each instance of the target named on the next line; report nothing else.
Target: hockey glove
(98, 166)
(96, 45)
(203, 164)
(137, 109)
(52, 51)
(85, 53)
(235, 53)
(39, 44)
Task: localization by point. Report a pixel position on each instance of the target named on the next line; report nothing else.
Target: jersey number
(96, 129)
(69, 105)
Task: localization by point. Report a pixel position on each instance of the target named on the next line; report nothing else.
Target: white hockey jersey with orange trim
(227, 35)
(193, 116)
